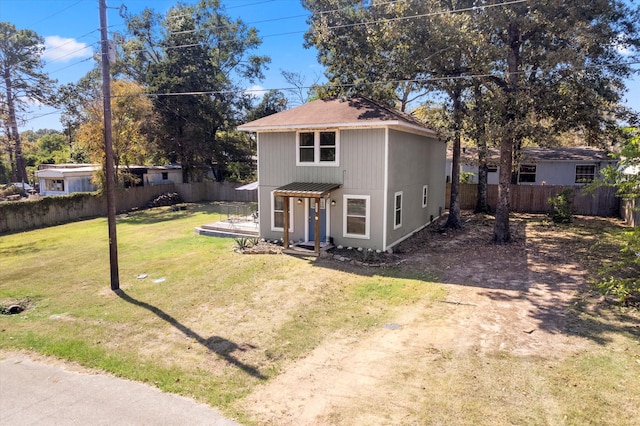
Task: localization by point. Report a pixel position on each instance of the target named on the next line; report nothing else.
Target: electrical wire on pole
(108, 149)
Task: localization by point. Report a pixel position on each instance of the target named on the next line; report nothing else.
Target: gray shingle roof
(338, 113)
(534, 154)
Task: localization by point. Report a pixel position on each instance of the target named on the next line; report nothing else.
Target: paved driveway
(34, 393)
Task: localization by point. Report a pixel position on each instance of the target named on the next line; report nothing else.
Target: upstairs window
(585, 174)
(527, 174)
(306, 148)
(317, 148)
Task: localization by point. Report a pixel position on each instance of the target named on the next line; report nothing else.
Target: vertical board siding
(534, 199)
(362, 158)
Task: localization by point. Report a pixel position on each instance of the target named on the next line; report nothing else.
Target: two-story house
(350, 172)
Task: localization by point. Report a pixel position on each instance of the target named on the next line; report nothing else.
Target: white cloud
(65, 49)
(256, 91)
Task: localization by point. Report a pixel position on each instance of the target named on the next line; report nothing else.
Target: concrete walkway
(34, 393)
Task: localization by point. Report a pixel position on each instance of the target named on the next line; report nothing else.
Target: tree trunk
(454, 221)
(501, 232)
(482, 203)
(21, 168)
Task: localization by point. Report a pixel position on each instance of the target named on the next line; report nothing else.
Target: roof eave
(395, 124)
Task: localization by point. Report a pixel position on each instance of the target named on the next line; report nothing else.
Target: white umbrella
(248, 187)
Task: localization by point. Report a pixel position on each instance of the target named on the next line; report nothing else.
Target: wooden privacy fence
(47, 211)
(630, 211)
(534, 199)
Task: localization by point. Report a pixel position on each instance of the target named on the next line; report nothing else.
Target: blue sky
(71, 29)
(71, 32)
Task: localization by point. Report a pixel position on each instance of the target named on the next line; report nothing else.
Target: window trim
(273, 214)
(54, 185)
(397, 224)
(534, 173)
(317, 148)
(584, 182)
(367, 224)
(425, 196)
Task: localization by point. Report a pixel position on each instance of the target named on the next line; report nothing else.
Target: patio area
(241, 221)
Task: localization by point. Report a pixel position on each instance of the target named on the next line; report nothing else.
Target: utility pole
(108, 149)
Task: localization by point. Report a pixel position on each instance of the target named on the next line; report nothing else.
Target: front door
(323, 219)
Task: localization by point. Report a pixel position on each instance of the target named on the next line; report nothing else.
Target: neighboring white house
(347, 171)
(540, 166)
(63, 179)
(157, 175)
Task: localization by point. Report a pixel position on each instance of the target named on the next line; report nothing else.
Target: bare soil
(521, 299)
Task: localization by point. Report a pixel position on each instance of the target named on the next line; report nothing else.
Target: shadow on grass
(545, 270)
(219, 345)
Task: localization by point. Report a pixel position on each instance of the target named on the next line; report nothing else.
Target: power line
(58, 12)
(71, 40)
(382, 82)
(70, 65)
(424, 15)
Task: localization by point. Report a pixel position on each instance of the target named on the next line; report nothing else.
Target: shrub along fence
(46, 211)
(534, 199)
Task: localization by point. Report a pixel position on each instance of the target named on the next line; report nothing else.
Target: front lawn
(259, 335)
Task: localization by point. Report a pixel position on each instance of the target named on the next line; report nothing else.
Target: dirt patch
(518, 299)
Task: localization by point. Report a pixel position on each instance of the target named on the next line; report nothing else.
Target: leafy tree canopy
(194, 61)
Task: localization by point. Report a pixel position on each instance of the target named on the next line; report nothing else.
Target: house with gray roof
(540, 166)
(350, 172)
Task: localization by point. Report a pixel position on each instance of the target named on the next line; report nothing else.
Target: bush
(167, 199)
(621, 278)
(562, 206)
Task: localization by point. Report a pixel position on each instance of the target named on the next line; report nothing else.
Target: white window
(277, 213)
(585, 174)
(397, 210)
(54, 185)
(357, 216)
(425, 195)
(527, 174)
(318, 148)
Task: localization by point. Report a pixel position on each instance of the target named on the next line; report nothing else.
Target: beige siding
(361, 172)
(414, 161)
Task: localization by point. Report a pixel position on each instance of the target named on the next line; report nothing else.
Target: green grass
(220, 324)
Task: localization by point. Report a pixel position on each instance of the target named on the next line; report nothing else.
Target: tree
(369, 48)
(272, 102)
(544, 67)
(131, 113)
(53, 149)
(76, 98)
(22, 81)
(193, 66)
(621, 277)
(558, 62)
